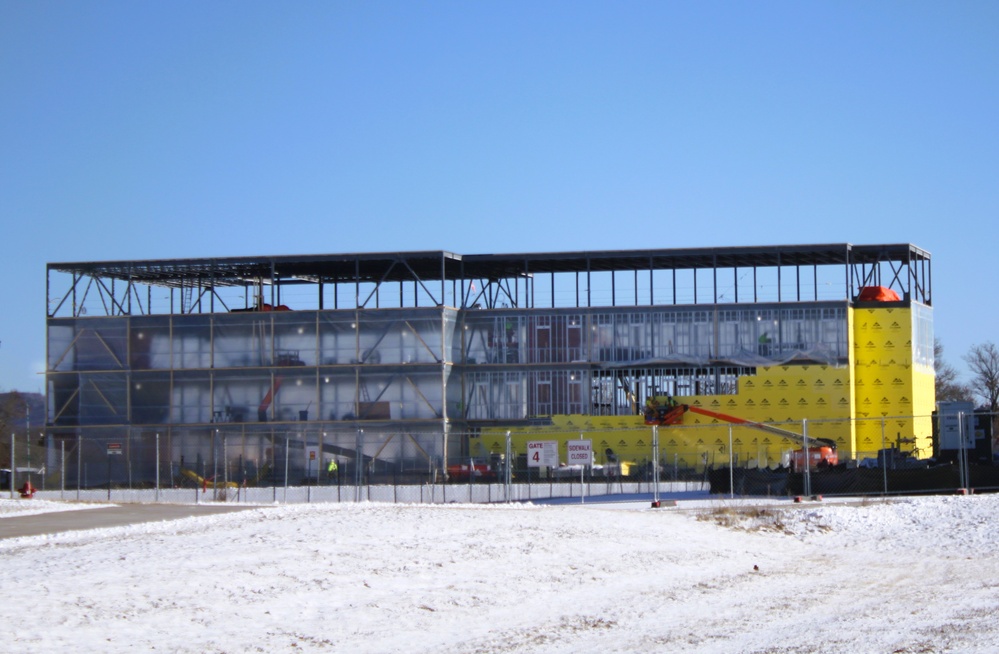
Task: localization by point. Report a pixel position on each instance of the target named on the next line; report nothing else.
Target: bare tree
(12, 411)
(948, 388)
(983, 360)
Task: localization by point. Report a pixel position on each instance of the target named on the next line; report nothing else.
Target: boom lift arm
(672, 414)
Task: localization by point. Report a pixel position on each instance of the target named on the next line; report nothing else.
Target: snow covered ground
(911, 575)
(16, 508)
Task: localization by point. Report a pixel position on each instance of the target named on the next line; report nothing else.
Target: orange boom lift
(671, 413)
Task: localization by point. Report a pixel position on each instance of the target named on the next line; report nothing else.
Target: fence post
(45, 457)
(286, 468)
(79, 464)
(358, 465)
(157, 466)
(507, 469)
(962, 464)
(731, 465)
(808, 462)
(967, 461)
(322, 463)
(215, 466)
(128, 457)
(108, 455)
(62, 470)
(884, 458)
(308, 470)
(12, 466)
(655, 465)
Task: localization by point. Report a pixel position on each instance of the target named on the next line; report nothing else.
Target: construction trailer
(960, 431)
(413, 361)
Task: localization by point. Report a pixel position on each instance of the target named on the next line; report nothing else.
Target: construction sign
(542, 454)
(580, 453)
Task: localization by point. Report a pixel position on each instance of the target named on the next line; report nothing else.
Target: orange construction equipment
(471, 471)
(204, 483)
(284, 358)
(822, 451)
(877, 294)
(819, 456)
(669, 413)
(265, 403)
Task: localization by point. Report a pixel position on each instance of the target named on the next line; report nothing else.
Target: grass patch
(753, 518)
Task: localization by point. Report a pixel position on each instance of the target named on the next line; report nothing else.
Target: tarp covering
(877, 294)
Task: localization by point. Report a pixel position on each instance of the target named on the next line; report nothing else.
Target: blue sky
(186, 129)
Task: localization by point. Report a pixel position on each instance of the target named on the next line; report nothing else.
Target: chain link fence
(313, 465)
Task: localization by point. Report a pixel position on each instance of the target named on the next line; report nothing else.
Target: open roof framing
(904, 267)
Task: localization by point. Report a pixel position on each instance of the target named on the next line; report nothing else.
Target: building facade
(408, 360)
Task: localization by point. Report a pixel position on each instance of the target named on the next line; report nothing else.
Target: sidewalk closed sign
(580, 453)
(542, 454)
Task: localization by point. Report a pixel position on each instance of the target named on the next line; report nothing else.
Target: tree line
(983, 387)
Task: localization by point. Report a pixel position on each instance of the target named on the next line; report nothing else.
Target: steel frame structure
(510, 279)
(415, 341)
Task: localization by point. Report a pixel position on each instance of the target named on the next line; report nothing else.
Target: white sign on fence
(580, 453)
(311, 460)
(542, 454)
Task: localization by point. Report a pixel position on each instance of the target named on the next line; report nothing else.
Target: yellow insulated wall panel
(848, 404)
(628, 436)
(924, 395)
(894, 396)
(784, 396)
(781, 395)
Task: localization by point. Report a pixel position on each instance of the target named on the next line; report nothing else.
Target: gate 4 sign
(542, 454)
(580, 453)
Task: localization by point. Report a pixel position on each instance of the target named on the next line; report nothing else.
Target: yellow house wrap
(894, 394)
(879, 399)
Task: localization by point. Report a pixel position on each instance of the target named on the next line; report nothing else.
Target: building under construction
(408, 360)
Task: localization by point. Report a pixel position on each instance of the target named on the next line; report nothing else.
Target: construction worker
(764, 344)
(332, 469)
